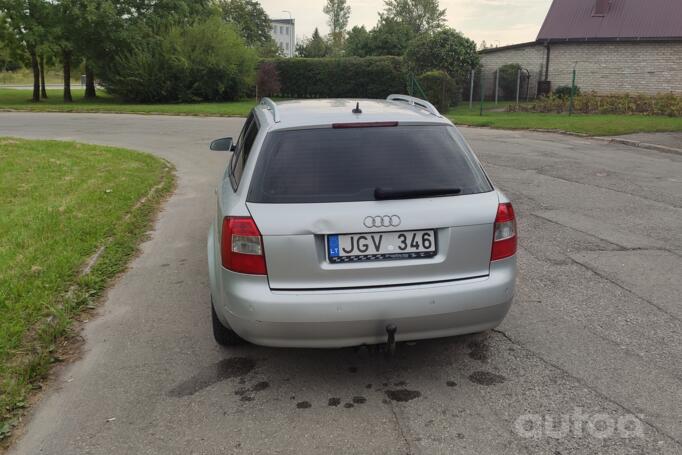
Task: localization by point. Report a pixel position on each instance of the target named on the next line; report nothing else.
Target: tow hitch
(391, 329)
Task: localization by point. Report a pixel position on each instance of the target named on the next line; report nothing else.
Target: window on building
(281, 30)
(287, 29)
(286, 45)
(274, 29)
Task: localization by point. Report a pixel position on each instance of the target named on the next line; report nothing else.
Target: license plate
(381, 246)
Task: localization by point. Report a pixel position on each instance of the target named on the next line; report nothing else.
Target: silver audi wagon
(345, 222)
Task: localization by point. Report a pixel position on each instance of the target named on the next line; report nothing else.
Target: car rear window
(347, 165)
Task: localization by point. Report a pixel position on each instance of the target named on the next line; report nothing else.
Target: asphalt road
(594, 336)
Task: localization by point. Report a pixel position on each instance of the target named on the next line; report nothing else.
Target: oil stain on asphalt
(486, 378)
(244, 392)
(480, 350)
(218, 372)
(402, 395)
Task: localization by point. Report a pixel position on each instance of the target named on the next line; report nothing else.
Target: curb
(608, 140)
(642, 145)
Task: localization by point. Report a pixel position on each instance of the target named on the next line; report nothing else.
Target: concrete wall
(617, 67)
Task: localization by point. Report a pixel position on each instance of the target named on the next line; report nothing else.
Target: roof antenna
(357, 109)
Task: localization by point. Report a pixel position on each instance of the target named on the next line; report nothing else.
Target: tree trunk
(66, 59)
(43, 89)
(36, 75)
(90, 92)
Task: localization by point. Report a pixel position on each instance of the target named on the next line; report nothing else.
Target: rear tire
(224, 336)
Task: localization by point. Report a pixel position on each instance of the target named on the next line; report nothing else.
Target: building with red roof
(615, 46)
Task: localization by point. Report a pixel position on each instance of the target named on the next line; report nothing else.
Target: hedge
(349, 77)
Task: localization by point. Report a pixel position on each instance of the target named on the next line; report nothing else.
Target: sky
(497, 22)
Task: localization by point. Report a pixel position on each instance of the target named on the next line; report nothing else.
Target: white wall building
(283, 31)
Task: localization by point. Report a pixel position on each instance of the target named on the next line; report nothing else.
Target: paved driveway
(594, 336)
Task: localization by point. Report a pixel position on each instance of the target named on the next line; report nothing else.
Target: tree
(446, 50)
(252, 22)
(26, 21)
(12, 53)
(422, 16)
(389, 37)
(339, 14)
(315, 47)
(111, 28)
(93, 29)
(358, 42)
(203, 61)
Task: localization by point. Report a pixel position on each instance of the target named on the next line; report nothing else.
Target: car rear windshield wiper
(383, 194)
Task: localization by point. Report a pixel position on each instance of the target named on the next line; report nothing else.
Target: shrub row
(351, 77)
(591, 103)
(206, 61)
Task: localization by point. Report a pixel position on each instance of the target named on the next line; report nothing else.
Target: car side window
(243, 151)
(239, 144)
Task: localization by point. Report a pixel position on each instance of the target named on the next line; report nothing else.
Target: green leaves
(250, 19)
(203, 61)
(349, 77)
(422, 16)
(389, 37)
(446, 50)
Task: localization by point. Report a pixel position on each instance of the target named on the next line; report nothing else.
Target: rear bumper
(339, 318)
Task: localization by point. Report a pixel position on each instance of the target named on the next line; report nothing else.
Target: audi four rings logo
(382, 221)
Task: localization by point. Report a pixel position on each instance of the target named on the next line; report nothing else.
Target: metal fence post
(471, 91)
(497, 84)
(518, 85)
(482, 95)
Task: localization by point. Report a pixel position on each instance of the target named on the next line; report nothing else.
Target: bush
(267, 80)
(591, 103)
(564, 91)
(508, 78)
(353, 77)
(445, 50)
(206, 61)
(441, 90)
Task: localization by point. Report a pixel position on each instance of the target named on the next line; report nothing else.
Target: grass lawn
(21, 100)
(61, 202)
(593, 125)
(493, 116)
(24, 76)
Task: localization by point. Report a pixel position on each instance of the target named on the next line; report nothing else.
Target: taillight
(504, 239)
(241, 246)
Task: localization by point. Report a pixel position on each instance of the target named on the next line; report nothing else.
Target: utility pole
(497, 85)
(471, 91)
(481, 82)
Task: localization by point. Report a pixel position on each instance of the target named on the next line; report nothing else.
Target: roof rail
(412, 101)
(271, 106)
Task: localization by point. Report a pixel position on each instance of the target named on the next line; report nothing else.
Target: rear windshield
(348, 165)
